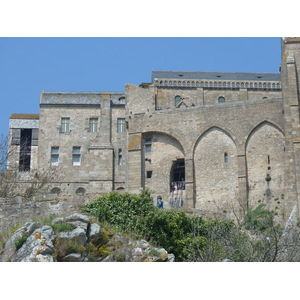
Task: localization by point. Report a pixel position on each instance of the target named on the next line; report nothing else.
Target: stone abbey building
(212, 141)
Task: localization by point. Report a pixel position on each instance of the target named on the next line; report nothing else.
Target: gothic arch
(265, 156)
(258, 126)
(216, 170)
(226, 131)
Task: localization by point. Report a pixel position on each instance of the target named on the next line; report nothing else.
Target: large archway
(163, 162)
(216, 171)
(265, 166)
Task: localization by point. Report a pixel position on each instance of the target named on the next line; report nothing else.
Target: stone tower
(290, 69)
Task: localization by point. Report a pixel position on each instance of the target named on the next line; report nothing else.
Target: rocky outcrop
(75, 239)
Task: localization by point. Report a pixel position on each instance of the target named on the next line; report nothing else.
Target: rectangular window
(76, 156)
(149, 174)
(54, 156)
(121, 125)
(120, 157)
(65, 124)
(94, 124)
(148, 145)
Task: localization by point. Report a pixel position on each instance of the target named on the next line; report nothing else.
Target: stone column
(189, 183)
(242, 179)
(134, 171)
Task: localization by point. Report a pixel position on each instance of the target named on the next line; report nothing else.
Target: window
(65, 124)
(148, 145)
(221, 100)
(54, 156)
(94, 124)
(225, 157)
(122, 100)
(76, 156)
(177, 100)
(149, 174)
(121, 125)
(120, 157)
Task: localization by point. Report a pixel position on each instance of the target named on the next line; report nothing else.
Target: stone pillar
(200, 97)
(189, 183)
(134, 171)
(242, 180)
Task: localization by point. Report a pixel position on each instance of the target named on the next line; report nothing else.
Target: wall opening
(177, 176)
(25, 150)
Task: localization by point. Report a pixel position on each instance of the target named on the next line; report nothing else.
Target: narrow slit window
(268, 159)
(76, 156)
(120, 157)
(54, 156)
(226, 157)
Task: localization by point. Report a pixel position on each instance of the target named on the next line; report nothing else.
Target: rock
(95, 232)
(171, 257)
(44, 258)
(39, 242)
(143, 244)
(73, 257)
(78, 220)
(10, 247)
(78, 235)
(57, 220)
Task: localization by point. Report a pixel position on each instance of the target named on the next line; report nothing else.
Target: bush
(178, 233)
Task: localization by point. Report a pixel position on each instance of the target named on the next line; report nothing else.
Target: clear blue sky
(30, 65)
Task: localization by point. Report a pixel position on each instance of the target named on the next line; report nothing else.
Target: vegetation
(191, 238)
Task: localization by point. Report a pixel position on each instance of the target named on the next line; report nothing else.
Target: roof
(25, 116)
(215, 75)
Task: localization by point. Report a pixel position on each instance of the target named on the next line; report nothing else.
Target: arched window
(221, 100)
(55, 190)
(177, 100)
(80, 191)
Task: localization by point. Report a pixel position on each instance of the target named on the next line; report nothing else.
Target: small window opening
(25, 150)
(94, 124)
(65, 124)
(148, 144)
(221, 100)
(120, 157)
(121, 125)
(54, 156)
(226, 157)
(268, 159)
(149, 174)
(177, 100)
(76, 156)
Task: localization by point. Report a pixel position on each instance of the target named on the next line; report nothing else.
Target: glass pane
(54, 160)
(76, 150)
(54, 150)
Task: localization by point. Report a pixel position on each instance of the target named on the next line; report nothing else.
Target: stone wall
(18, 210)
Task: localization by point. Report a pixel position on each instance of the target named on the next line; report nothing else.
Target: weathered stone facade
(207, 140)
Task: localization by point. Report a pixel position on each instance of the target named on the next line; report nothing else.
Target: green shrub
(172, 229)
(21, 240)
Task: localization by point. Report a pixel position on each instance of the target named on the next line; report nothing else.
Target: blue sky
(30, 65)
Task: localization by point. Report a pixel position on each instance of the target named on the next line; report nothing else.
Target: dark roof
(215, 75)
(24, 116)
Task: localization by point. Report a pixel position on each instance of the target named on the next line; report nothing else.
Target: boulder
(94, 233)
(22, 232)
(40, 242)
(73, 257)
(78, 220)
(77, 235)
